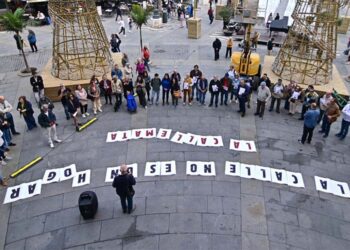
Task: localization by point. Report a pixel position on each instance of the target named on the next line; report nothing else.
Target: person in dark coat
(25, 109)
(243, 93)
(63, 95)
(123, 186)
(38, 86)
(73, 105)
(19, 42)
(217, 47)
(214, 86)
(47, 120)
(106, 87)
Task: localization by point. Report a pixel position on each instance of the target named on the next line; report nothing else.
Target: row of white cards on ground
(279, 176)
(181, 138)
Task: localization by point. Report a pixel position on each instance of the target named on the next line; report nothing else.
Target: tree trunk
(23, 54)
(141, 38)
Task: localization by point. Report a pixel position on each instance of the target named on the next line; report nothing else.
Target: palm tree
(140, 17)
(14, 22)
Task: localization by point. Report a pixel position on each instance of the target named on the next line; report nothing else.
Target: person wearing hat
(310, 122)
(264, 94)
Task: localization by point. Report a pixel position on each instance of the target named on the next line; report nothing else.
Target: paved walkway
(174, 212)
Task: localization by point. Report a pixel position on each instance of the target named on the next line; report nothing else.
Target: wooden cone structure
(80, 44)
(310, 47)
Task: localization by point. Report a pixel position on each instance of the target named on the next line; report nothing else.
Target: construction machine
(246, 62)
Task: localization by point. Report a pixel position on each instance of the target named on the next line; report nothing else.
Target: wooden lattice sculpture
(307, 54)
(80, 44)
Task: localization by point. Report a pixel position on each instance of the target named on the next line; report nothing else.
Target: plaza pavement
(174, 212)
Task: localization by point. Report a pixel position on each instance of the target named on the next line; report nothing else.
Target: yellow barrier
(25, 167)
(88, 123)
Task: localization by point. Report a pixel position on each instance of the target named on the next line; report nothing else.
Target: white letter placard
(247, 171)
(149, 133)
(215, 141)
(164, 134)
(52, 175)
(152, 168)
(340, 189)
(190, 139)
(240, 145)
(68, 172)
(23, 191)
(200, 168)
(295, 179)
(178, 137)
(137, 133)
(202, 141)
(322, 184)
(81, 178)
(262, 173)
(232, 168)
(279, 176)
(114, 171)
(168, 168)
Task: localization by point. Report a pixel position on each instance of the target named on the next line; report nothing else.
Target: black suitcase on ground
(88, 204)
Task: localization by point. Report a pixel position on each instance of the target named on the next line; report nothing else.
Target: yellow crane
(246, 62)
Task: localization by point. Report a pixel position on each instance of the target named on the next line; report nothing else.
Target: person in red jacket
(211, 14)
(146, 56)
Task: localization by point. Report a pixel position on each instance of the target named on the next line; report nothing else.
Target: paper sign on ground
(52, 175)
(241, 145)
(164, 133)
(81, 178)
(178, 137)
(200, 168)
(232, 168)
(152, 168)
(23, 191)
(168, 168)
(295, 179)
(114, 171)
(68, 172)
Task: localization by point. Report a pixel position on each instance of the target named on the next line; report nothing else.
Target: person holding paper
(123, 185)
(243, 92)
(214, 91)
(277, 95)
(203, 88)
(264, 95)
(73, 108)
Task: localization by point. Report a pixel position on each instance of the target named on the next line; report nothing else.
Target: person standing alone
(32, 40)
(211, 15)
(217, 47)
(123, 186)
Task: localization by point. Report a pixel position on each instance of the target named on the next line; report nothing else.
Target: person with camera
(123, 184)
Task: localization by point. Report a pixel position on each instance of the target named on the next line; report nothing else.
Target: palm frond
(13, 21)
(139, 15)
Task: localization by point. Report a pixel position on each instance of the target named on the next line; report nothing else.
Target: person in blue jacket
(32, 40)
(310, 122)
(166, 88)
